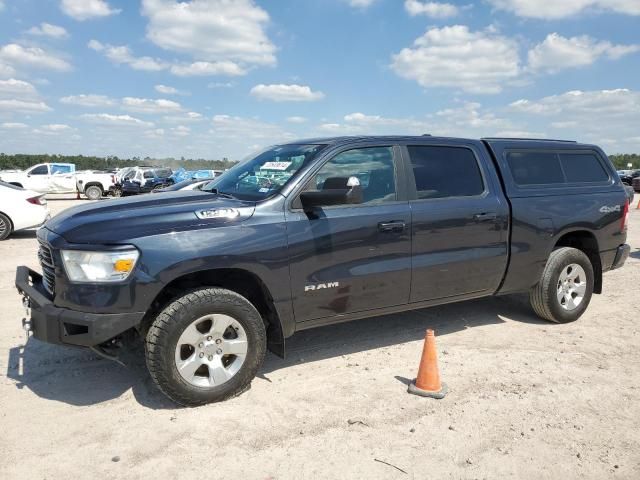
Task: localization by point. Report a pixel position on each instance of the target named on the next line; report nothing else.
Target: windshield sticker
(276, 166)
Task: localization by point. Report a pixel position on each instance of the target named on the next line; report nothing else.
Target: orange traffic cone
(427, 384)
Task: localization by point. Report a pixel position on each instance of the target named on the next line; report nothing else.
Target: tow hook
(27, 325)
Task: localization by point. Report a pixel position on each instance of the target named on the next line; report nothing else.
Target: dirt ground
(527, 399)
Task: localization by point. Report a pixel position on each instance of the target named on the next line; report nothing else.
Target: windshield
(264, 174)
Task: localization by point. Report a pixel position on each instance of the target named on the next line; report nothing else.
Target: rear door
(63, 178)
(352, 258)
(459, 221)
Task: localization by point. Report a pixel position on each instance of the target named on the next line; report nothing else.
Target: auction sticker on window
(275, 166)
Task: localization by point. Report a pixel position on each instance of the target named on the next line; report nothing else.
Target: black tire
(93, 192)
(163, 335)
(6, 227)
(116, 192)
(543, 297)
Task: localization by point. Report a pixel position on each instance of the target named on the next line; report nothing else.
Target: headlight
(83, 266)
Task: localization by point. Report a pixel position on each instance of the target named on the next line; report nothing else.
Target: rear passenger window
(582, 168)
(546, 168)
(535, 168)
(445, 172)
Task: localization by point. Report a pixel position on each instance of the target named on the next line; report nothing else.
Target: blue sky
(220, 78)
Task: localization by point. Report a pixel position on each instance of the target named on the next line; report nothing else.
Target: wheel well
(240, 281)
(16, 184)
(586, 242)
(93, 184)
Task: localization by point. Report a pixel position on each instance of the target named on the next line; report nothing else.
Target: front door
(38, 179)
(352, 258)
(459, 224)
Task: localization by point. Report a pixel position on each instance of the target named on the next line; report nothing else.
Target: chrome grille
(48, 269)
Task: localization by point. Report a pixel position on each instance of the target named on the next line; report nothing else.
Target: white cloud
(87, 9)
(200, 68)
(109, 120)
(212, 31)
(618, 102)
(23, 106)
(6, 70)
(13, 126)
(605, 117)
(149, 106)
(122, 54)
(53, 128)
(180, 131)
(32, 57)
(89, 100)
(240, 128)
(565, 8)
(186, 117)
(430, 9)
(361, 3)
(167, 90)
(296, 119)
(477, 62)
(557, 52)
(286, 93)
(48, 30)
(220, 85)
(17, 88)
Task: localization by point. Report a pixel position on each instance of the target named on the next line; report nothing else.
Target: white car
(20, 209)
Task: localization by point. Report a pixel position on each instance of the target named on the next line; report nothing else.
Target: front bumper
(62, 326)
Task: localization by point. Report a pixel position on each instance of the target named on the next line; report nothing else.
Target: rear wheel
(5, 226)
(565, 287)
(205, 347)
(93, 192)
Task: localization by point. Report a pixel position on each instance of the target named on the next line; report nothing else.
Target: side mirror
(351, 194)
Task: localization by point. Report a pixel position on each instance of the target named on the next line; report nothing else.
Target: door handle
(485, 217)
(391, 226)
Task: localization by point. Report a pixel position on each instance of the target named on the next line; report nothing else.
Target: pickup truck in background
(60, 178)
(321, 231)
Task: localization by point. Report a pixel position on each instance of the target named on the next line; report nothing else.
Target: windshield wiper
(215, 191)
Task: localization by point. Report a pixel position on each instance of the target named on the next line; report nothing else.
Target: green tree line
(621, 161)
(23, 161)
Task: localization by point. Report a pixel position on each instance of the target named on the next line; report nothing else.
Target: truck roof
(392, 138)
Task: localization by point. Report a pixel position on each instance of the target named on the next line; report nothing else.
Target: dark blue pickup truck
(321, 231)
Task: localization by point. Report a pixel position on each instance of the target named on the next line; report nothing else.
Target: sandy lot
(527, 399)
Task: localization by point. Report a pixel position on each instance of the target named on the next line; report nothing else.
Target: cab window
(40, 170)
(372, 166)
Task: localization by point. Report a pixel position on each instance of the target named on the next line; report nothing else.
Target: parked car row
(137, 180)
(631, 178)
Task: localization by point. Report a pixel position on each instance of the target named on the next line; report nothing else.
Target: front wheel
(565, 287)
(206, 346)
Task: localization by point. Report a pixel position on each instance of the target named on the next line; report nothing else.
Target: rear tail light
(37, 200)
(625, 217)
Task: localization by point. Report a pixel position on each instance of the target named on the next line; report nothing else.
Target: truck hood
(118, 220)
